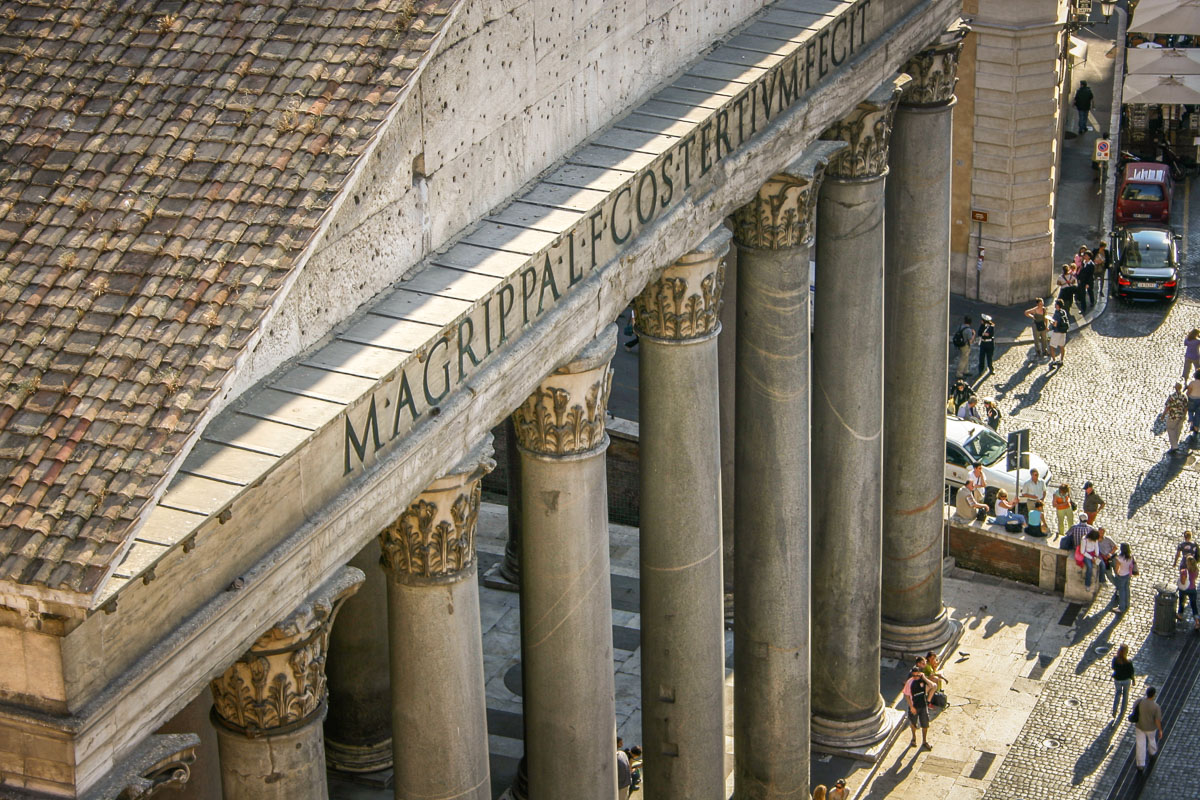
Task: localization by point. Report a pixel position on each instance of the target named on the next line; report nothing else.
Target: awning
(1173, 61)
(1161, 89)
(1166, 16)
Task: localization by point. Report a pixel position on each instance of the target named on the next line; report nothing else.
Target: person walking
(991, 413)
(1193, 396)
(1041, 336)
(820, 793)
(1066, 286)
(1058, 335)
(1124, 568)
(1093, 503)
(1187, 591)
(1083, 105)
(1086, 277)
(1148, 728)
(1191, 352)
(1122, 675)
(917, 690)
(962, 339)
(1063, 507)
(987, 344)
(1174, 414)
(1185, 549)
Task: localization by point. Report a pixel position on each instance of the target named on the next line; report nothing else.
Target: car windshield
(986, 447)
(1147, 249)
(1143, 192)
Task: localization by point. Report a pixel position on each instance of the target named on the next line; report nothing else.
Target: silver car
(968, 442)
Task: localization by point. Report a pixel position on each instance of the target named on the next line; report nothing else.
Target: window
(1143, 192)
(986, 447)
(956, 457)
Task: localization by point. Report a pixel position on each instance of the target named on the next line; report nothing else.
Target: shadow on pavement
(1095, 755)
(1086, 626)
(1154, 480)
(1130, 319)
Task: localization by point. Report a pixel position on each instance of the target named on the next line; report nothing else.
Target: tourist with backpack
(962, 339)
(1058, 334)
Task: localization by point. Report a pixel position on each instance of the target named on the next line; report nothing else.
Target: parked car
(1144, 194)
(1147, 263)
(968, 442)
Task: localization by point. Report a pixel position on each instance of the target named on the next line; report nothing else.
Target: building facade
(273, 274)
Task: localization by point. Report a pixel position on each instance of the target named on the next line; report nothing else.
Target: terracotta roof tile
(160, 173)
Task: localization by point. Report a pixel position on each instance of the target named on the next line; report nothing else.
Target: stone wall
(513, 87)
(990, 550)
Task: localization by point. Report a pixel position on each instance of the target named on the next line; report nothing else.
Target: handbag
(1133, 714)
(1134, 571)
(938, 699)
(1079, 556)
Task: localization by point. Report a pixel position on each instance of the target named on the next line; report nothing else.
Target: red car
(1144, 194)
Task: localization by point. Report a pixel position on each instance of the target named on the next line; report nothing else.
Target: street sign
(978, 216)
(1103, 150)
(1018, 445)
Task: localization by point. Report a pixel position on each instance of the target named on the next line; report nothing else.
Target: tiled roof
(163, 165)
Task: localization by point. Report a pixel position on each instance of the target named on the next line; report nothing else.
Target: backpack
(1060, 322)
(958, 340)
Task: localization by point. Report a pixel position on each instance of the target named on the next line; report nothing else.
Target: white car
(968, 442)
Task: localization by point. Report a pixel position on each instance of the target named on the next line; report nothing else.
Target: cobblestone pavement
(1094, 420)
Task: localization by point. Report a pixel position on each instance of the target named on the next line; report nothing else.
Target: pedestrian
(1086, 277)
(1083, 105)
(1006, 511)
(635, 767)
(820, 793)
(991, 413)
(1108, 551)
(933, 671)
(839, 791)
(1185, 549)
(1122, 675)
(1124, 568)
(1191, 352)
(1058, 335)
(1093, 503)
(1032, 490)
(1041, 337)
(917, 690)
(970, 410)
(1193, 395)
(1035, 525)
(624, 776)
(1066, 286)
(987, 344)
(1148, 727)
(962, 339)
(1187, 591)
(1100, 259)
(1063, 507)
(1174, 414)
(1091, 557)
(959, 394)
(631, 331)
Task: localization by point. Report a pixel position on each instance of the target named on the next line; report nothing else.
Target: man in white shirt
(1033, 489)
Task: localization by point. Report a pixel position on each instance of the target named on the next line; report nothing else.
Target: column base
(851, 735)
(355, 758)
(497, 577)
(892, 724)
(910, 641)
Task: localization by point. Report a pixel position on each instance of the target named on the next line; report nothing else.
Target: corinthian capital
(279, 684)
(434, 539)
(565, 414)
(685, 302)
(867, 130)
(782, 213)
(934, 69)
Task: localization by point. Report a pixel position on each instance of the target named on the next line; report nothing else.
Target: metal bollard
(1164, 610)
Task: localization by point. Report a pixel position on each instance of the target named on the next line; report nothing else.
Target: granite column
(917, 286)
(269, 705)
(682, 608)
(771, 614)
(847, 427)
(566, 598)
(439, 707)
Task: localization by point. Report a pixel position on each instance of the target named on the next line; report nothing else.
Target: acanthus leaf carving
(549, 422)
(781, 215)
(666, 309)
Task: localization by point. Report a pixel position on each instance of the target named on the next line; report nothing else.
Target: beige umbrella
(1173, 61)
(1161, 89)
(1167, 16)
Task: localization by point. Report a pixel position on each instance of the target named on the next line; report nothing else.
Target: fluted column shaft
(682, 608)
(566, 599)
(269, 705)
(358, 729)
(847, 424)
(771, 612)
(916, 318)
(438, 701)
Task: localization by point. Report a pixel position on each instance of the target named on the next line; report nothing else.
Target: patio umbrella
(1161, 89)
(1172, 61)
(1167, 16)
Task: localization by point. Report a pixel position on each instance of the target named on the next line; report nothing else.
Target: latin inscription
(423, 382)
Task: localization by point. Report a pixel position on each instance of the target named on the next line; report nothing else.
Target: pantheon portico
(298, 545)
